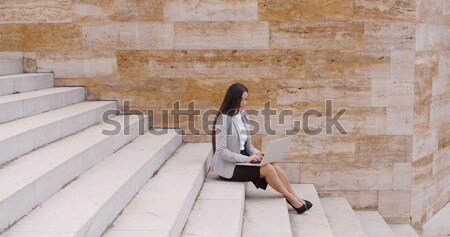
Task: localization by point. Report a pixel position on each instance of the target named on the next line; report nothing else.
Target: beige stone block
(402, 176)
(316, 35)
(235, 65)
(327, 10)
(394, 205)
(402, 64)
(361, 199)
(40, 37)
(222, 35)
(441, 82)
(446, 12)
(128, 36)
(439, 110)
(423, 198)
(279, 10)
(392, 92)
(364, 121)
(395, 10)
(78, 64)
(343, 92)
(441, 164)
(444, 135)
(431, 37)
(424, 144)
(389, 36)
(36, 11)
(114, 10)
(179, 10)
(384, 149)
(426, 67)
(319, 148)
(348, 65)
(399, 120)
(422, 171)
(348, 175)
(430, 11)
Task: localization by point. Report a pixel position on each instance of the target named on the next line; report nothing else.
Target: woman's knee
(268, 169)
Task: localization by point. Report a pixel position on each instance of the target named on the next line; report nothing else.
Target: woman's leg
(284, 179)
(270, 174)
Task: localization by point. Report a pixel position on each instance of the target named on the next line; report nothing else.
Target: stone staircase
(62, 175)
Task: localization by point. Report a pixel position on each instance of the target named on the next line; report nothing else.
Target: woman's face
(243, 101)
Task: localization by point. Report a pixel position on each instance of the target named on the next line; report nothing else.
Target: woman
(232, 144)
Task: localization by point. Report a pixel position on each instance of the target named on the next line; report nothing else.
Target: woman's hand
(261, 154)
(254, 158)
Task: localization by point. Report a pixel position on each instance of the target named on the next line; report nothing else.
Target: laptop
(274, 152)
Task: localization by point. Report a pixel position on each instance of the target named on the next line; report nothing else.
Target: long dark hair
(230, 106)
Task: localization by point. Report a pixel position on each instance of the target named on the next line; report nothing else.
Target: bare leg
(284, 179)
(269, 172)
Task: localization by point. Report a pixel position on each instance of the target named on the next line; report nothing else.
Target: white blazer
(228, 151)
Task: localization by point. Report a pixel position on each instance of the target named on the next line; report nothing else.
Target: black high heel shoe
(299, 210)
(308, 204)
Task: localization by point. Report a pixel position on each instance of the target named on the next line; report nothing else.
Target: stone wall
(430, 189)
(386, 62)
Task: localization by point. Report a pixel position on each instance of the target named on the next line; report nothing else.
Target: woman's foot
(307, 203)
(298, 206)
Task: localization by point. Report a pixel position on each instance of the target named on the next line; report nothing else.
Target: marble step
(90, 203)
(24, 82)
(403, 230)
(35, 177)
(36, 102)
(373, 224)
(24, 135)
(163, 205)
(313, 222)
(218, 211)
(265, 214)
(439, 223)
(11, 66)
(342, 218)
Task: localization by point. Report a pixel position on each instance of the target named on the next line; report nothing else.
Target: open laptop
(274, 152)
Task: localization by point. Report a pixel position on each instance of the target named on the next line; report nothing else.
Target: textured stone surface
(348, 175)
(389, 36)
(357, 199)
(392, 92)
(36, 11)
(431, 37)
(397, 10)
(343, 92)
(394, 206)
(384, 149)
(399, 120)
(402, 176)
(316, 35)
(113, 10)
(240, 64)
(78, 64)
(222, 35)
(348, 64)
(179, 10)
(279, 10)
(128, 36)
(40, 37)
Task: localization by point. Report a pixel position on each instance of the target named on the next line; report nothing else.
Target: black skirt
(248, 174)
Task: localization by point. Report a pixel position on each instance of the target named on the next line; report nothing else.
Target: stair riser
(25, 142)
(28, 107)
(25, 83)
(106, 215)
(40, 190)
(8, 67)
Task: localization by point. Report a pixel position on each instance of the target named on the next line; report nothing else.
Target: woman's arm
(221, 143)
